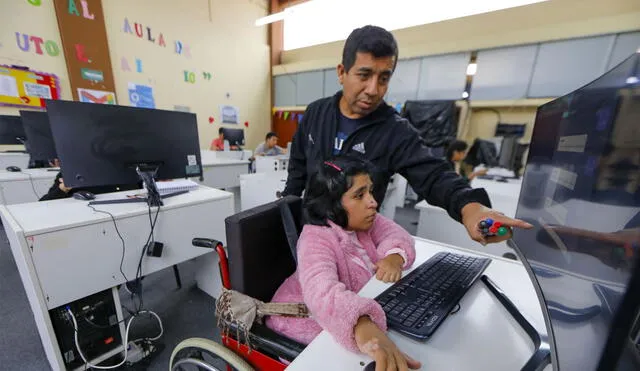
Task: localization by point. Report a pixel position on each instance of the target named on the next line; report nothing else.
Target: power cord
(125, 342)
(115, 225)
(33, 187)
(150, 239)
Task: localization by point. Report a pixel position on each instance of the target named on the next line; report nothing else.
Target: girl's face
(458, 156)
(359, 204)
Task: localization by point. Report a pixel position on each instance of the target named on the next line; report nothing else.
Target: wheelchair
(261, 255)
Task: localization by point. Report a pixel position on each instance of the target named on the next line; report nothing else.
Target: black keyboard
(418, 303)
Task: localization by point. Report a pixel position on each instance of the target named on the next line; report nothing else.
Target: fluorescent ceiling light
(317, 21)
(271, 18)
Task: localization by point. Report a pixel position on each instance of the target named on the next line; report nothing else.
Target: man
(270, 146)
(455, 154)
(217, 144)
(356, 121)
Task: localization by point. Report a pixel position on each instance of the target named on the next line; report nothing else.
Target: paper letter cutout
(85, 10)
(80, 53)
(52, 48)
(149, 35)
(178, 47)
(186, 51)
(35, 2)
(124, 64)
(25, 38)
(138, 27)
(37, 42)
(161, 40)
(72, 8)
(127, 27)
(138, 65)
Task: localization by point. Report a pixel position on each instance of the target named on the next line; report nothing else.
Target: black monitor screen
(11, 130)
(581, 191)
(482, 152)
(103, 144)
(39, 141)
(234, 136)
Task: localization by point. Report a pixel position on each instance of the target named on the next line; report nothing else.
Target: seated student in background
(269, 147)
(217, 144)
(456, 152)
(58, 190)
(343, 244)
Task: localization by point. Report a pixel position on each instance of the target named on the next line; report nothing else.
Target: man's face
(271, 142)
(365, 84)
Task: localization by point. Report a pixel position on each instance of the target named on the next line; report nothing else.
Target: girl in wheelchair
(343, 244)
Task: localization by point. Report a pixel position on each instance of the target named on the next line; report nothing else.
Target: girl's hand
(375, 343)
(389, 269)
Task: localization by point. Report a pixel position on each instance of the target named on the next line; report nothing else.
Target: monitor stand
(154, 198)
(542, 355)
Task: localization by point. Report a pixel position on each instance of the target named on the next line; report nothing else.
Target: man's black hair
(220, 131)
(456, 146)
(369, 39)
(323, 195)
(270, 135)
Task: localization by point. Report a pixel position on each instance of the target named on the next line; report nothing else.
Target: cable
(115, 225)
(125, 342)
(33, 187)
(150, 238)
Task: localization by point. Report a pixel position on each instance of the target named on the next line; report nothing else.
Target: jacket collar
(382, 113)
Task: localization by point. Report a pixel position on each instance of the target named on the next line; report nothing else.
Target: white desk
(271, 163)
(435, 224)
(65, 251)
(481, 336)
(18, 159)
(15, 188)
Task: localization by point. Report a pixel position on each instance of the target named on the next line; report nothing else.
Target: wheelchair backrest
(259, 255)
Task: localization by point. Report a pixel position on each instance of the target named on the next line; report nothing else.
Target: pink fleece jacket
(330, 273)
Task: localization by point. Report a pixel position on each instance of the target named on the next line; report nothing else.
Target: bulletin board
(25, 88)
(86, 50)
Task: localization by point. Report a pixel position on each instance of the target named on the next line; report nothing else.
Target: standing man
(269, 147)
(357, 122)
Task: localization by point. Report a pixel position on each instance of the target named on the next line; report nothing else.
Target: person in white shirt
(269, 147)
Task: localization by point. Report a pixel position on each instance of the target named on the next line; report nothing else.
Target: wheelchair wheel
(200, 354)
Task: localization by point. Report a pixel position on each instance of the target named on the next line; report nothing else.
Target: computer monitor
(106, 144)
(39, 142)
(482, 152)
(581, 191)
(11, 130)
(235, 137)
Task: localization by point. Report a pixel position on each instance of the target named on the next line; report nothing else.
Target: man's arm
(297, 177)
(432, 177)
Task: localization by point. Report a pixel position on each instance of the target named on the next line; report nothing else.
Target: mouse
(370, 367)
(14, 169)
(83, 195)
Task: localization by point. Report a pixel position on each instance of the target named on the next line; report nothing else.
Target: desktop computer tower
(99, 325)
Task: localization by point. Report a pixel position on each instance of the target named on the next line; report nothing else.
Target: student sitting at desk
(58, 190)
(456, 152)
(345, 243)
(217, 144)
(269, 147)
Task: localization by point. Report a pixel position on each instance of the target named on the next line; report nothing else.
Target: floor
(185, 312)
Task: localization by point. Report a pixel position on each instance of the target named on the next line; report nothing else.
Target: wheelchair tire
(181, 355)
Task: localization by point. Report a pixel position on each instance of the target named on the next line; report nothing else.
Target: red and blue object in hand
(490, 228)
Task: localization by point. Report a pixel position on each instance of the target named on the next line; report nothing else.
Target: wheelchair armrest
(269, 341)
(222, 255)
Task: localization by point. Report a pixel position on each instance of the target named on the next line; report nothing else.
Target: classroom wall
(221, 37)
(551, 20)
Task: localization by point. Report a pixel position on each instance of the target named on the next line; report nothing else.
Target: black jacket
(390, 143)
